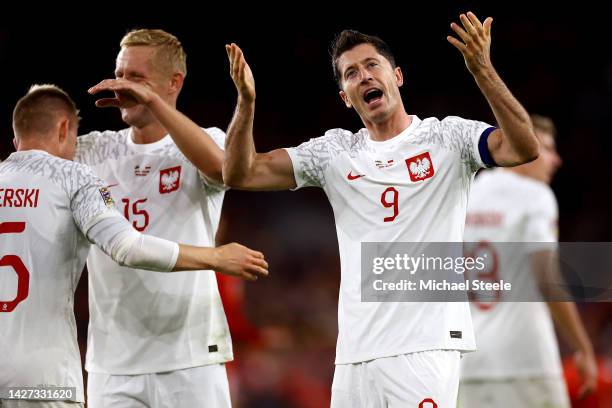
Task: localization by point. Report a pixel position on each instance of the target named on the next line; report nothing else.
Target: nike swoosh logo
(351, 177)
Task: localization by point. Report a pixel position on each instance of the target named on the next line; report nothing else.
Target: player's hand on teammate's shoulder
(474, 42)
(237, 260)
(127, 93)
(240, 72)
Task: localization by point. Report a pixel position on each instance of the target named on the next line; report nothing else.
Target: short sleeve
(470, 137)
(310, 160)
(89, 199)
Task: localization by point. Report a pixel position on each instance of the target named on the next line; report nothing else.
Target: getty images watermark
(486, 272)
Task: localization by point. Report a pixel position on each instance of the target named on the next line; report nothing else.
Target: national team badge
(169, 179)
(106, 196)
(420, 167)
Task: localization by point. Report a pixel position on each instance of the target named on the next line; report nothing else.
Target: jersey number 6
(23, 276)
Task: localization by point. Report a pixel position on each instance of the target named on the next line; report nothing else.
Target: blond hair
(169, 52)
(544, 124)
(38, 110)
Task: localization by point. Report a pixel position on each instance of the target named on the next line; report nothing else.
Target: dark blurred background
(556, 59)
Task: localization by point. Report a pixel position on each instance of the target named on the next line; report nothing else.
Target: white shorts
(537, 392)
(204, 386)
(428, 379)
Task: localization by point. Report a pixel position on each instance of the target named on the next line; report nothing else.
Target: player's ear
(345, 99)
(176, 82)
(63, 130)
(16, 143)
(399, 77)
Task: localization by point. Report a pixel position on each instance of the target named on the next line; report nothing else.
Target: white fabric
(38, 338)
(143, 322)
(428, 379)
(430, 210)
(514, 339)
(205, 386)
(537, 392)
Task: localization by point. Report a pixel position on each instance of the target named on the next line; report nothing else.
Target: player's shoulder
(448, 125)
(540, 191)
(214, 131)
(531, 187)
(104, 137)
(72, 175)
(339, 139)
(520, 189)
(96, 146)
(67, 174)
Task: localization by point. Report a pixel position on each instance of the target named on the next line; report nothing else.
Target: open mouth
(372, 95)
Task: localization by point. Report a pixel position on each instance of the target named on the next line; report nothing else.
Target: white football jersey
(411, 188)
(47, 205)
(143, 322)
(514, 339)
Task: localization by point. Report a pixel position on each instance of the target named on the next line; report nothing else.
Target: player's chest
(415, 169)
(150, 175)
(402, 182)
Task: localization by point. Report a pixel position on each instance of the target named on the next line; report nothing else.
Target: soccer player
(401, 178)
(52, 209)
(517, 363)
(154, 340)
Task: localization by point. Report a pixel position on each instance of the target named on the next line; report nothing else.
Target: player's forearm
(191, 258)
(197, 146)
(239, 145)
(518, 134)
(570, 325)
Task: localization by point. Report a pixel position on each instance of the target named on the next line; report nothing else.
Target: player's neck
(150, 133)
(38, 145)
(389, 128)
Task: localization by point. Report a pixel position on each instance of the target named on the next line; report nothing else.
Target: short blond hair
(169, 50)
(37, 111)
(544, 124)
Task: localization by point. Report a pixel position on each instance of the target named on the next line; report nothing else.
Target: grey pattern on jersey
(316, 154)
(96, 147)
(81, 185)
(452, 133)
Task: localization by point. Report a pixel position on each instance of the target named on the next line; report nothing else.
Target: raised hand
(240, 72)
(475, 44)
(127, 93)
(237, 260)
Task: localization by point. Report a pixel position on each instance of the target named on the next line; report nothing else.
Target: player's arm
(128, 247)
(545, 263)
(197, 146)
(568, 322)
(243, 167)
(514, 142)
